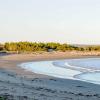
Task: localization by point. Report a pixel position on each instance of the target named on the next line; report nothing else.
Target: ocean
(83, 69)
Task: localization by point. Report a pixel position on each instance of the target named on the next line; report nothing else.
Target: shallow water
(47, 68)
(93, 77)
(87, 69)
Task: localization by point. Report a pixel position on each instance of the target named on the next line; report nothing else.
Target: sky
(65, 21)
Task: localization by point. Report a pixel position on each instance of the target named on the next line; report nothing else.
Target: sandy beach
(19, 84)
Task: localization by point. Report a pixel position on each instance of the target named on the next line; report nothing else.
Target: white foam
(63, 69)
(47, 68)
(80, 68)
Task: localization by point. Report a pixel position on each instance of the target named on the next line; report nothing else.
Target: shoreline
(22, 58)
(24, 85)
(62, 69)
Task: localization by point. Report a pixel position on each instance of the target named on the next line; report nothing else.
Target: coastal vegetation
(1, 47)
(51, 46)
(2, 98)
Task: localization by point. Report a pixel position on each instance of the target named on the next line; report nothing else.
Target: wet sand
(18, 84)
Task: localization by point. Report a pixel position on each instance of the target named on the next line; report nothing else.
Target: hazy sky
(71, 21)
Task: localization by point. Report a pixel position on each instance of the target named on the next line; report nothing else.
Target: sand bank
(18, 84)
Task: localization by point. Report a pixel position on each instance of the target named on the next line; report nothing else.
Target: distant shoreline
(66, 53)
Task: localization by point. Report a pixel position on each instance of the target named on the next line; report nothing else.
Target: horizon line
(3, 42)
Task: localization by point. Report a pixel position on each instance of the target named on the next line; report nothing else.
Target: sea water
(87, 69)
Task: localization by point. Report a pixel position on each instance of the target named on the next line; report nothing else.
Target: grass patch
(2, 98)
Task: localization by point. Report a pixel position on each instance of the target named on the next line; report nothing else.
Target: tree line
(34, 46)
